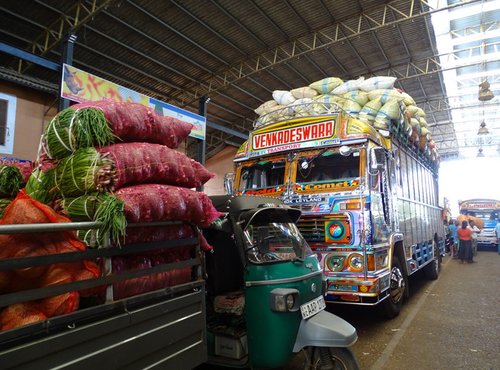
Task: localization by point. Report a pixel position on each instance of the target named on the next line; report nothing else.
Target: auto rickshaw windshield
(271, 242)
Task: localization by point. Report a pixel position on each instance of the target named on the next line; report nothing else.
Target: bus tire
(391, 306)
(431, 271)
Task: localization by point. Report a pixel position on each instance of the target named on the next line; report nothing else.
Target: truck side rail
(137, 327)
(32, 294)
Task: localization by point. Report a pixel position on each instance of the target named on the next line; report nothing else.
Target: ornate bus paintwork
(357, 218)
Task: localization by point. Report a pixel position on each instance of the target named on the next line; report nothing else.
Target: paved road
(452, 323)
(448, 324)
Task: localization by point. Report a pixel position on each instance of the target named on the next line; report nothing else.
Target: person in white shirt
(475, 231)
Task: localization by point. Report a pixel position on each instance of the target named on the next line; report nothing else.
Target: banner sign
(298, 137)
(81, 86)
(486, 204)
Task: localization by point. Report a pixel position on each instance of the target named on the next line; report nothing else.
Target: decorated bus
(368, 196)
(488, 211)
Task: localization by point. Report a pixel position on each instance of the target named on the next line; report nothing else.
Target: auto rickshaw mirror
(229, 183)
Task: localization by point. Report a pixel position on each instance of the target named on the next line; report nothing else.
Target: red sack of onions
(138, 163)
(155, 202)
(151, 234)
(136, 122)
(147, 283)
(114, 166)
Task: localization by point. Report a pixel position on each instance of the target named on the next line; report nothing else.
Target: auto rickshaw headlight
(284, 300)
(290, 302)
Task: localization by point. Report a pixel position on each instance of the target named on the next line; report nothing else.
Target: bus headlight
(335, 263)
(355, 262)
(284, 300)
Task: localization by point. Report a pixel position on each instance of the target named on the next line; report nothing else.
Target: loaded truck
(263, 301)
(368, 195)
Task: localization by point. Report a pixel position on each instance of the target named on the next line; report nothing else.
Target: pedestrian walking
(474, 233)
(453, 227)
(464, 236)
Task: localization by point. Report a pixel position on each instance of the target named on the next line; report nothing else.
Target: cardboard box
(232, 347)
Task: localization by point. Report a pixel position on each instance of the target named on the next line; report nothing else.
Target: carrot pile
(25, 210)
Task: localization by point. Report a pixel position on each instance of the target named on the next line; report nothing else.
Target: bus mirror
(304, 164)
(377, 158)
(345, 150)
(229, 183)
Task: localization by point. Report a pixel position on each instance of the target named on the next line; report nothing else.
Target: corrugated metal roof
(238, 52)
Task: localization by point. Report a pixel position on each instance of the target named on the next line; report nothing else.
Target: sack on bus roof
(302, 105)
(408, 100)
(351, 107)
(386, 113)
(326, 85)
(381, 121)
(415, 126)
(304, 92)
(360, 97)
(386, 95)
(412, 109)
(347, 86)
(377, 82)
(420, 112)
(329, 101)
(423, 122)
(391, 109)
(262, 121)
(283, 97)
(265, 107)
(370, 110)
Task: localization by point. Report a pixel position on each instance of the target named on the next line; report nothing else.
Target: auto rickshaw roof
(236, 204)
(264, 215)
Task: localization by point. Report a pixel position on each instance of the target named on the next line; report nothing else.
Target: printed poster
(164, 109)
(81, 86)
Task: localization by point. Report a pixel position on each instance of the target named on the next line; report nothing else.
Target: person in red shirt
(465, 251)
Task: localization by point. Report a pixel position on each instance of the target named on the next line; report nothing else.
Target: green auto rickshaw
(265, 292)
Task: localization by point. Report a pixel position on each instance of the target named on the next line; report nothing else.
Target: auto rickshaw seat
(230, 303)
(224, 266)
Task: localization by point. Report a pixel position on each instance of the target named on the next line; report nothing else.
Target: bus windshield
(483, 214)
(327, 167)
(263, 174)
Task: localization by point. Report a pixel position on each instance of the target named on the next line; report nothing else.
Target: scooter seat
(230, 303)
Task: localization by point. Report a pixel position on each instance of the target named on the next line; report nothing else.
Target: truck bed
(163, 329)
